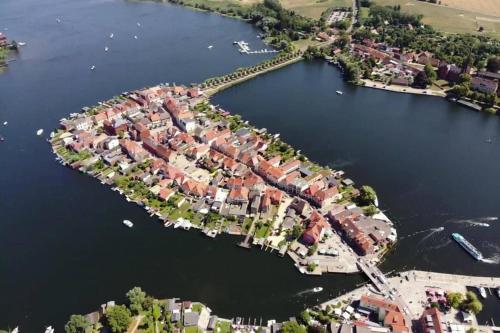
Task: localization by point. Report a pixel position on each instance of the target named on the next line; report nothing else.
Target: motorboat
(482, 292)
(317, 289)
(128, 223)
(135, 37)
(92, 68)
(21, 43)
(106, 49)
(339, 92)
(49, 329)
(39, 132)
(498, 291)
(111, 35)
(210, 46)
(138, 24)
(5, 123)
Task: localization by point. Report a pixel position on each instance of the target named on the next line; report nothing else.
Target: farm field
(314, 8)
(453, 20)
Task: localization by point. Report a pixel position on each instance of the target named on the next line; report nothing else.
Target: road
(379, 280)
(354, 15)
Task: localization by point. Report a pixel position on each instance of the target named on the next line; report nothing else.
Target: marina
(244, 48)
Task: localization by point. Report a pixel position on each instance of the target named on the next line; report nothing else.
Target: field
(313, 8)
(454, 20)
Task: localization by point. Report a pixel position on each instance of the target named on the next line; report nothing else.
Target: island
(194, 165)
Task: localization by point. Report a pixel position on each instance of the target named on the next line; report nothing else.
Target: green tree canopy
(136, 298)
(292, 327)
(367, 195)
(118, 318)
(430, 72)
(76, 324)
(493, 64)
(455, 299)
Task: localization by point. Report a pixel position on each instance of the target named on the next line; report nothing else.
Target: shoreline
(86, 157)
(401, 89)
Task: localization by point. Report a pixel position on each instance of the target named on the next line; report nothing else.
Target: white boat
(339, 92)
(21, 43)
(92, 68)
(106, 49)
(111, 35)
(210, 46)
(128, 223)
(58, 20)
(135, 37)
(482, 292)
(317, 289)
(498, 291)
(5, 123)
(49, 329)
(138, 24)
(15, 330)
(168, 224)
(39, 132)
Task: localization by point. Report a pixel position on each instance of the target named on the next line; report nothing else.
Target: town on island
(195, 165)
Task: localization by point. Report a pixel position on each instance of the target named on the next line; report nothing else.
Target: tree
(312, 249)
(76, 324)
(305, 317)
(370, 210)
(292, 327)
(118, 318)
(455, 299)
(297, 231)
(367, 195)
(475, 306)
(421, 80)
(493, 64)
(430, 72)
(136, 298)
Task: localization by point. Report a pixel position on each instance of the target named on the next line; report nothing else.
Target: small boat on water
(49, 329)
(128, 223)
(39, 132)
(210, 46)
(135, 37)
(339, 92)
(15, 330)
(5, 123)
(317, 289)
(106, 49)
(21, 43)
(168, 224)
(1, 138)
(482, 292)
(111, 35)
(58, 20)
(92, 68)
(498, 291)
(138, 24)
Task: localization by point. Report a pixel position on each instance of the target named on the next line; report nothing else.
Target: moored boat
(339, 92)
(482, 292)
(317, 289)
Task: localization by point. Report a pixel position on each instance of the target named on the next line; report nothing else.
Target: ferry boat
(128, 223)
(317, 289)
(467, 246)
(339, 92)
(482, 292)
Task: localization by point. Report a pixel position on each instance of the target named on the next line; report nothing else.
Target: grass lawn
(223, 326)
(449, 19)
(196, 307)
(262, 231)
(314, 8)
(182, 211)
(191, 329)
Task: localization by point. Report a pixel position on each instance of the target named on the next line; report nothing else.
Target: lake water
(63, 247)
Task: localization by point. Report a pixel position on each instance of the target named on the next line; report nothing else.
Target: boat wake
(478, 222)
(431, 232)
(440, 246)
(495, 258)
(309, 291)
